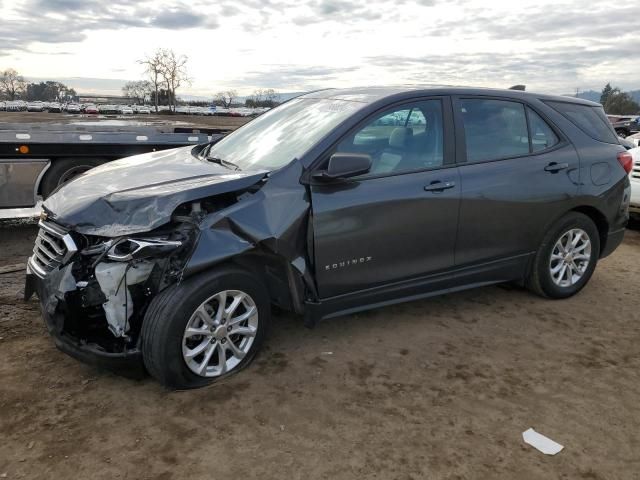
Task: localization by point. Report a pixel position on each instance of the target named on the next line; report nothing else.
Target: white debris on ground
(541, 443)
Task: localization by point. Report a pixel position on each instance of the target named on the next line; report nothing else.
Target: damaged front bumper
(127, 362)
(93, 298)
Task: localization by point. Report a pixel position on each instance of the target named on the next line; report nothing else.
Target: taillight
(626, 160)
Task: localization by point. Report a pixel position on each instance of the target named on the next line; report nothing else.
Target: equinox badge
(347, 263)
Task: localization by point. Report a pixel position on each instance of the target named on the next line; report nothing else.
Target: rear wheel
(567, 257)
(205, 329)
(65, 170)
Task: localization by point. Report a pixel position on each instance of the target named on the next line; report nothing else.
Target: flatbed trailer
(37, 158)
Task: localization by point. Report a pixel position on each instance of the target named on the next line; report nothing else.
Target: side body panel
(383, 230)
(506, 204)
(604, 185)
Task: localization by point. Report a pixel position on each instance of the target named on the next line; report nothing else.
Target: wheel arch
(283, 282)
(599, 219)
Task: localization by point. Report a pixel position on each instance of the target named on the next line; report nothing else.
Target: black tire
(167, 316)
(64, 169)
(540, 280)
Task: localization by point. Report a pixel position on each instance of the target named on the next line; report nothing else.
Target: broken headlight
(127, 249)
(134, 249)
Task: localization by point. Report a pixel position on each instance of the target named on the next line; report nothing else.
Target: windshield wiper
(224, 163)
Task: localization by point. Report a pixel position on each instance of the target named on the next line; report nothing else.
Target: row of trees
(13, 86)
(617, 102)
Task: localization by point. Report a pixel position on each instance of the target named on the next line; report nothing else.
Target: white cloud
(552, 46)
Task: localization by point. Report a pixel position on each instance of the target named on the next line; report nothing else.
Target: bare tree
(271, 96)
(174, 72)
(258, 95)
(140, 90)
(226, 97)
(12, 84)
(154, 66)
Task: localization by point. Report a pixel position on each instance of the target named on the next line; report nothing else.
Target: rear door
(399, 221)
(517, 172)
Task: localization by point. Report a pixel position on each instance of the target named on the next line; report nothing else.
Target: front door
(399, 221)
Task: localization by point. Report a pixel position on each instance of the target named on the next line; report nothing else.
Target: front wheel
(567, 257)
(204, 329)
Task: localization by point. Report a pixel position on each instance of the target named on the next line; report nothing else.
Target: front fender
(272, 220)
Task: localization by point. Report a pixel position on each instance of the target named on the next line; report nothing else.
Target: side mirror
(345, 165)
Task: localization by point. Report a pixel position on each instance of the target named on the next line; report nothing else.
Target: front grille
(53, 247)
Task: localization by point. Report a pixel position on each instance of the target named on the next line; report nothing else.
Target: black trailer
(36, 158)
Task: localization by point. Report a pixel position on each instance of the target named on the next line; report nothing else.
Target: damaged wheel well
(284, 283)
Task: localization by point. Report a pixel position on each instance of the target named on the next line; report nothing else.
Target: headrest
(399, 136)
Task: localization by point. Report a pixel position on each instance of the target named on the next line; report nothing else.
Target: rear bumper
(614, 239)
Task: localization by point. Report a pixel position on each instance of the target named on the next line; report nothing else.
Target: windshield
(275, 138)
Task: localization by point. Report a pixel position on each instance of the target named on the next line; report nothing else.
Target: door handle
(555, 167)
(439, 186)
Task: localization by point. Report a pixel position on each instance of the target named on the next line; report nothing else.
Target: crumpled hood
(139, 193)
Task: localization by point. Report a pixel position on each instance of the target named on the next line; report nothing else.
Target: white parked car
(35, 107)
(126, 110)
(15, 106)
(634, 176)
(73, 108)
(141, 109)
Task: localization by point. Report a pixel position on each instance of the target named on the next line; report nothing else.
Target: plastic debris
(541, 443)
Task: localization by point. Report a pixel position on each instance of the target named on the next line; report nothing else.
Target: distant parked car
(143, 109)
(625, 125)
(16, 106)
(91, 109)
(634, 177)
(55, 107)
(125, 110)
(73, 108)
(109, 109)
(3, 106)
(35, 107)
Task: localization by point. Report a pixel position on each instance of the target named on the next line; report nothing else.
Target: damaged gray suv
(332, 203)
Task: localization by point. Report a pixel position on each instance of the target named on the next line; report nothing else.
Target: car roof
(373, 94)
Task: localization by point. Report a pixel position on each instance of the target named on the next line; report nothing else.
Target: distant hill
(594, 96)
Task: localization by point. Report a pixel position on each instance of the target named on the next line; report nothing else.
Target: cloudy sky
(293, 45)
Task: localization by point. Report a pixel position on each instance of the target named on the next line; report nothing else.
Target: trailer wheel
(63, 170)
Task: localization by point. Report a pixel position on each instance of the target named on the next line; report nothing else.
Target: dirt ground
(434, 389)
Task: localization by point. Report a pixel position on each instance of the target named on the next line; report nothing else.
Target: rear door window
(494, 129)
(591, 120)
(542, 135)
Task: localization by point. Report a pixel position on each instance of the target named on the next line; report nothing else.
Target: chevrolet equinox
(334, 202)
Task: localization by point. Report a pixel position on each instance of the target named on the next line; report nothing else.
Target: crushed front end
(94, 291)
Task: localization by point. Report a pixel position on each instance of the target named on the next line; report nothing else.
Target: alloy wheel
(570, 257)
(220, 332)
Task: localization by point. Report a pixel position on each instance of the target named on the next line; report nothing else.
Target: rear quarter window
(591, 120)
